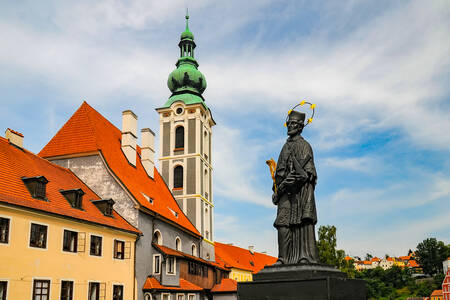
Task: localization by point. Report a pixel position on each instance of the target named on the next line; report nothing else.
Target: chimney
(14, 137)
(148, 151)
(251, 249)
(129, 136)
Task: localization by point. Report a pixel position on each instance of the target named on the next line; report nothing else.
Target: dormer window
(105, 206)
(74, 196)
(36, 186)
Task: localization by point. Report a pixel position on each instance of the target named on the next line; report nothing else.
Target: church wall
(191, 176)
(92, 171)
(166, 139)
(191, 139)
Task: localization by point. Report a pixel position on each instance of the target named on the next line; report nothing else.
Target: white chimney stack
(14, 137)
(129, 135)
(251, 249)
(148, 151)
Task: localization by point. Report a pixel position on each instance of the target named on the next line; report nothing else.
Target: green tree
(430, 254)
(327, 244)
(328, 254)
(368, 256)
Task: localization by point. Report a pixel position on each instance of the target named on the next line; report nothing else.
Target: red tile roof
(436, 293)
(240, 258)
(413, 264)
(375, 259)
(172, 252)
(88, 131)
(17, 163)
(226, 285)
(151, 283)
(347, 258)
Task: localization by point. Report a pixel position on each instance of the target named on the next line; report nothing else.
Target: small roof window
(74, 196)
(105, 206)
(36, 186)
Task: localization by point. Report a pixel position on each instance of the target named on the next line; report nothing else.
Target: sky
(378, 72)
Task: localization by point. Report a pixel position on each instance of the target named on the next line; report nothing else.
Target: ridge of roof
(87, 131)
(16, 163)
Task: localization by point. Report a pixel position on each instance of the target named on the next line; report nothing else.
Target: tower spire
(187, 19)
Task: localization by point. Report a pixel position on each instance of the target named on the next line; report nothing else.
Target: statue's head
(295, 123)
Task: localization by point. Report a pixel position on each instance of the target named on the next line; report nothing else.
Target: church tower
(185, 143)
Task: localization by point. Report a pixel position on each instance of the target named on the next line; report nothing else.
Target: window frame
(178, 295)
(71, 297)
(194, 247)
(89, 289)
(115, 249)
(191, 295)
(33, 290)
(178, 183)
(179, 138)
(123, 289)
(69, 231)
(8, 233)
(90, 245)
(46, 235)
(165, 294)
(154, 264)
(160, 237)
(178, 245)
(174, 264)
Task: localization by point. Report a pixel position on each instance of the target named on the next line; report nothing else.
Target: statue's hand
(275, 198)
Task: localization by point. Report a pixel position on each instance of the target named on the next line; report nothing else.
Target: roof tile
(17, 163)
(87, 131)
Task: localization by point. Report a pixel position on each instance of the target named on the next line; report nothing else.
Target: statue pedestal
(302, 282)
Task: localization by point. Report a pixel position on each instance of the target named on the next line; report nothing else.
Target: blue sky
(378, 71)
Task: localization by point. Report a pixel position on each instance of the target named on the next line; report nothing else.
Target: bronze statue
(295, 178)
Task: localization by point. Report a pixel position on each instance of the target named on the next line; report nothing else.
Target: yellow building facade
(24, 266)
(241, 275)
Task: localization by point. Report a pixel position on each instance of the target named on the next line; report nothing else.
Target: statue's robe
(296, 205)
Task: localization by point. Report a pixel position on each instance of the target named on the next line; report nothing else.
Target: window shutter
(102, 294)
(81, 242)
(127, 250)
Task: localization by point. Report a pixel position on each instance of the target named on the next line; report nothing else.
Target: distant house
(226, 290)
(436, 295)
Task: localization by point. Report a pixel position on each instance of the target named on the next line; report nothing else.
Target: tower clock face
(179, 110)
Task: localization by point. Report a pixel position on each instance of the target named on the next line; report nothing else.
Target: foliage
(396, 283)
(430, 254)
(368, 256)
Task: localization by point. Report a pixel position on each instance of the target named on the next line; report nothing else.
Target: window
(178, 244)
(66, 290)
(147, 296)
(194, 250)
(41, 289)
(165, 296)
(3, 289)
(157, 237)
(178, 177)
(94, 291)
(180, 297)
(117, 292)
(179, 137)
(38, 236)
(191, 297)
(119, 249)
(171, 265)
(36, 186)
(96, 245)
(156, 264)
(70, 241)
(4, 230)
(75, 197)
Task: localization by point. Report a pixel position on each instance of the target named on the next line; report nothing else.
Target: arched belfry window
(179, 137)
(178, 177)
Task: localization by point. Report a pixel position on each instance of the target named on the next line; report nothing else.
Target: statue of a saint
(295, 179)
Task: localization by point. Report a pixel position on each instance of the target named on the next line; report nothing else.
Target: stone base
(302, 282)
